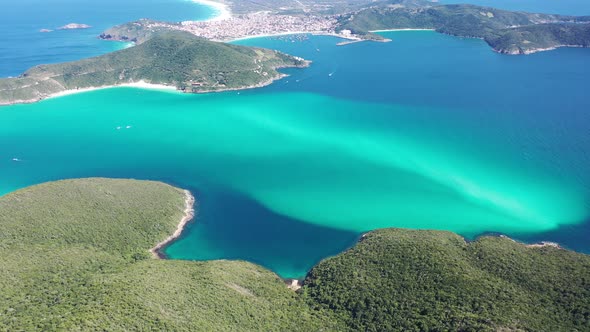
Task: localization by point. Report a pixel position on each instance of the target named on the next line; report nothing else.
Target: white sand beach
(223, 11)
(140, 84)
(286, 33)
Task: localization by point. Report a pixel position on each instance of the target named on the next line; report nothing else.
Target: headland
(189, 214)
(169, 60)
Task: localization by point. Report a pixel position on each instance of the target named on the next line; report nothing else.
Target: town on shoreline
(507, 32)
(232, 28)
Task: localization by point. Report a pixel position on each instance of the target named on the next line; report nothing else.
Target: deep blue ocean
(514, 118)
(23, 46)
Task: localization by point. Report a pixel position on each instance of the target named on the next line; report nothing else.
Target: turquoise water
(433, 132)
(23, 46)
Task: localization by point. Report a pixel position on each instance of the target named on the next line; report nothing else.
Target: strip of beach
(140, 85)
(278, 34)
(189, 214)
(222, 10)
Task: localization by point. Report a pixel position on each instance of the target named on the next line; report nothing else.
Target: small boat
(16, 160)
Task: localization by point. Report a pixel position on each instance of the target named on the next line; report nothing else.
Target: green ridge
(505, 31)
(173, 58)
(74, 256)
(407, 280)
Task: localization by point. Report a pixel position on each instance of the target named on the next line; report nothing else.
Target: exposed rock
(73, 26)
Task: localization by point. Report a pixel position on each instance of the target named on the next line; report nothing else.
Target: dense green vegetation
(529, 39)
(506, 31)
(435, 281)
(74, 256)
(173, 58)
(137, 31)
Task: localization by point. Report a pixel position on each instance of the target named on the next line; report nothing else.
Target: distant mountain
(505, 31)
(174, 58)
(540, 37)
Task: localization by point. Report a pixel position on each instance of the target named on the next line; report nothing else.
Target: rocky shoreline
(189, 214)
(521, 51)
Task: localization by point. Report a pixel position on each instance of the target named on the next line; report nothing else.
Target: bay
(428, 131)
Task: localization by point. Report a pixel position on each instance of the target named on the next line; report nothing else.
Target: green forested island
(505, 31)
(75, 256)
(172, 58)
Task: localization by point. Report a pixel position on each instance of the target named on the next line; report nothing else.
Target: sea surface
(23, 46)
(429, 131)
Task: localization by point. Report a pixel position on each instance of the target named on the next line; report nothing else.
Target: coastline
(189, 213)
(541, 244)
(149, 86)
(287, 33)
(534, 50)
(222, 10)
(253, 86)
(409, 29)
(140, 84)
(278, 34)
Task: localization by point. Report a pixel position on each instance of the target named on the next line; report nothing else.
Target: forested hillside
(505, 31)
(406, 280)
(173, 58)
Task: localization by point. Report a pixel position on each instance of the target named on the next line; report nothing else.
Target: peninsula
(75, 256)
(236, 27)
(505, 31)
(174, 58)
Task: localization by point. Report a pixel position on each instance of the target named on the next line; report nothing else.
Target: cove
(433, 132)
